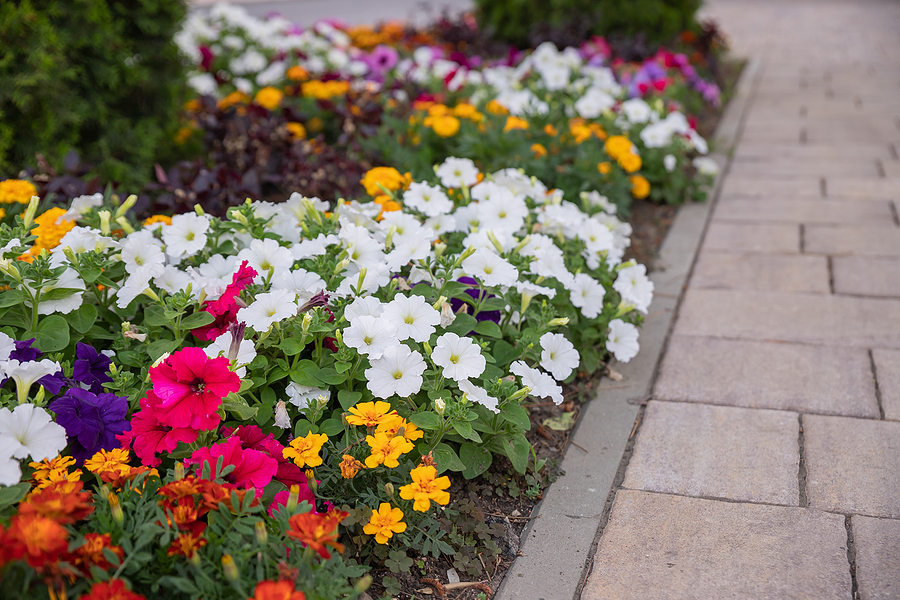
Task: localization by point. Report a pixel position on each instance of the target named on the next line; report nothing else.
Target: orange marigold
(91, 552)
(50, 229)
(388, 177)
(269, 97)
(276, 590)
(40, 540)
(317, 531)
(640, 187)
(426, 486)
(62, 501)
(304, 451)
(111, 590)
(16, 191)
(371, 414)
(187, 544)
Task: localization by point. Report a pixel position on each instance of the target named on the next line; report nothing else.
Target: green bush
(99, 77)
(526, 22)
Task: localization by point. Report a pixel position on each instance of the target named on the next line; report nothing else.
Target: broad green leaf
(445, 457)
(331, 427)
(475, 458)
(198, 319)
(264, 412)
(303, 427)
(489, 328)
(12, 494)
(52, 334)
(426, 420)
(154, 316)
(58, 294)
(517, 450)
(329, 376)
(240, 409)
(462, 325)
(504, 353)
(160, 347)
(291, 347)
(517, 415)
(348, 398)
(305, 373)
(464, 429)
(11, 298)
(83, 319)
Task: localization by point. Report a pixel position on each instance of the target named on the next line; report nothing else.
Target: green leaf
(291, 347)
(264, 412)
(154, 316)
(12, 494)
(58, 294)
(517, 415)
(348, 398)
(305, 373)
(426, 420)
(563, 422)
(476, 459)
(160, 347)
(331, 427)
(198, 319)
(303, 427)
(462, 325)
(518, 450)
(83, 319)
(465, 430)
(329, 376)
(342, 367)
(489, 329)
(11, 298)
(240, 409)
(445, 457)
(504, 353)
(52, 334)
(590, 359)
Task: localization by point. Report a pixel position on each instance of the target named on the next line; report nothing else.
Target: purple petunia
(475, 293)
(24, 352)
(91, 368)
(92, 421)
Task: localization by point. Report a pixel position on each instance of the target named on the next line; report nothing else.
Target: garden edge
(557, 546)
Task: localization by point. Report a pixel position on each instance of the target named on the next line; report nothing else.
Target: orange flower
(187, 544)
(370, 414)
(305, 450)
(91, 552)
(236, 97)
(49, 231)
(426, 486)
(350, 467)
(269, 97)
(317, 531)
(605, 167)
(514, 123)
(297, 73)
(388, 177)
(400, 426)
(629, 161)
(617, 145)
(444, 125)
(438, 110)
(384, 523)
(39, 539)
(467, 111)
(62, 501)
(640, 187)
(105, 461)
(539, 150)
(16, 190)
(164, 219)
(52, 470)
(276, 590)
(550, 130)
(297, 130)
(111, 590)
(386, 450)
(495, 108)
(188, 486)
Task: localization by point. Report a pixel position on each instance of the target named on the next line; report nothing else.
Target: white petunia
(268, 309)
(457, 172)
(706, 165)
(587, 294)
(530, 290)
(370, 336)
(26, 373)
(7, 346)
(669, 162)
(595, 198)
(490, 268)
(31, 432)
(478, 395)
(622, 340)
(507, 214)
(412, 317)
(267, 257)
(558, 355)
(635, 287)
(221, 346)
(596, 236)
(397, 373)
(375, 277)
(314, 247)
(440, 224)
(363, 306)
(636, 110)
(300, 395)
(174, 280)
(142, 251)
(68, 280)
(10, 470)
(305, 284)
(363, 250)
(410, 250)
(460, 357)
(429, 200)
(186, 236)
(541, 384)
(405, 226)
(136, 284)
(80, 206)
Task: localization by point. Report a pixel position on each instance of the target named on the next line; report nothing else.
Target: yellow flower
(297, 130)
(605, 167)
(384, 523)
(629, 161)
(109, 460)
(580, 131)
(183, 135)
(386, 450)
(426, 486)
(640, 187)
(370, 414)
(495, 108)
(438, 110)
(297, 73)
(269, 97)
(305, 450)
(350, 467)
(389, 177)
(514, 123)
(444, 125)
(164, 219)
(237, 97)
(49, 231)
(539, 150)
(2, 212)
(550, 130)
(467, 111)
(52, 470)
(400, 426)
(617, 145)
(598, 131)
(16, 190)
(322, 90)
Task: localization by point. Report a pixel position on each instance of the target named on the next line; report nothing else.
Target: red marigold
(62, 501)
(317, 531)
(276, 590)
(42, 540)
(111, 590)
(91, 552)
(187, 544)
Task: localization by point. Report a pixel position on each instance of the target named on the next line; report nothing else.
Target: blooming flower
(10, 470)
(33, 431)
(457, 172)
(267, 257)
(25, 374)
(425, 487)
(39, 540)
(91, 368)
(141, 251)
(225, 344)
(252, 468)
(225, 308)
(364, 305)
(62, 501)
(587, 294)
(541, 384)
(412, 316)
(92, 421)
(370, 336)
(370, 414)
(109, 464)
(300, 395)
(490, 268)
(268, 309)
(429, 200)
(148, 436)
(384, 523)
(305, 284)
(397, 372)
(317, 531)
(478, 395)
(558, 355)
(350, 466)
(186, 236)
(386, 449)
(305, 450)
(276, 590)
(622, 340)
(460, 357)
(114, 589)
(69, 280)
(635, 287)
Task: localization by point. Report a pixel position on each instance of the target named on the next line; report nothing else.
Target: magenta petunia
(148, 436)
(225, 309)
(191, 386)
(252, 468)
(253, 438)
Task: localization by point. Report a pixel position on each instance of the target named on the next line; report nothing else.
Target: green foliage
(520, 21)
(98, 77)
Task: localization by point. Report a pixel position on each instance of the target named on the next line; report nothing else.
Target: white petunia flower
(478, 395)
(376, 277)
(558, 355)
(282, 418)
(429, 200)
(541, 384)
(622, 340)
(68, 280)
(7, 346)
(314, 247)
(457, 172)
(587, 294)
(26, 373)
(142, 251)
(669, 162)
(405, 226)
(300, 395)
(370, 336)
(221, 346)
(31, 431)
(706, 165)
(305, 284)
(490, 268)
(268, 309)
(174, 280)
(363, 250)
(596, 236)
(460, 357)
(440, 224)
(636, 110)
(410, 250)
(81, 205)
(186, 236)
(412, 317)
(136, 284)
(363, 306)
(529, 290)
(594, 197)
(397, 373)
(267, 256)
(10, 470)
(635, 287)
(508, 214)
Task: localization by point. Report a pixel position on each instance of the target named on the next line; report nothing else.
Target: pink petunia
(225, 309)
(253, 438)
(252, 468)
(148, 436)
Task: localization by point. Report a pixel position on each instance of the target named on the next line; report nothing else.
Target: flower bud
(389, 489)
(262, 533)
(69, 254)
(321, 401)
(363, 584)
(125, 225)
(623, 309)
(199, 210)
(520, 394)
(466, 254)
(125, 206)
(28, 217)
(39, 397)
(522, 244)
(195, 559)
(231, 571)
(495, 242)
(440, 406)
(559, 321)
(116, 509)
(341, 265)
(439, 249)
(104, 221)
(440, 302)
(311, 482)
(307, 321)
(9, 268)
(179, 471)
(293, 498)
(237, 215)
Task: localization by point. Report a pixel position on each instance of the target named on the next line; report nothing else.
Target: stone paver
(752, 237)
(887, 367)
(857, 240)
(792, 168)
(764, 272)
(807, 318)
(852, 465)
(809, 211)
(673, 548)
(877, 557)
(816, 379)
(869, 276)
(866, 187)
(760, 187)
(717, 451)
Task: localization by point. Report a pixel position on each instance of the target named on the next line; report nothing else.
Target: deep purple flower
(91, 368)
(24, 352)
(91, 421)
(475, 292)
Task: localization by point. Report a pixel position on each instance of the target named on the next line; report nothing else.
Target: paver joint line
(801, 472)
(851, 556)
(877, 388)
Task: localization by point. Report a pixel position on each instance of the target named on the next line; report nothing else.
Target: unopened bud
(440, 406)
(179, 471)
(439, 249)
(559, 321)
(262, 533)
(199, 210)
(363, 584)
(116, 509)
(496, 243)
(231, 571)
(293, 498)
(311, 482)
(125, 206)
(104, 221)
(466, 254)
(341, 265)
(195, 559)
(28, 217)
(389, 489)
(520, 393)
(39, 397)
(307, 321)
(125, 225)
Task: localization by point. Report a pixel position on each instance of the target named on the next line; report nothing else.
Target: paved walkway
(767, 464)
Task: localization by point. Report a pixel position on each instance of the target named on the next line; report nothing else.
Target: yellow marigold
(269, 97)
(370, 414)
(2, 212)
(598, 131)
(617, 145)
(193, 105)
(495, 108)
(297, 73)
(640, 187)
(388, 177)
(445, 125)
(426, 486)
(164, 219)
(386, 450)
(384, 523)
(438, 110)
(580, 132)
(52, 470)
(422, 104)
(305, 450)
(400, 426)
(605, 167)
(551, 130)
(629, 161)
(16, 190)
(465, 110)
(387, 205)
(49, 231)
(183, 135)
(109, 460)
(236, 97)
(514, 123)
(350, 467)
(297, 130)
(539, 150)
(322, 90)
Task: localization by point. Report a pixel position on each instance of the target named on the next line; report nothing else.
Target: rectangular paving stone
(852, 465)
(887, 369)
(793, 168)
(762, 187)
(858, 240)
(815, 379)
(752, 237)
(718, 452)
(776, 316)
(869, 276)
(658, 546)
(877, 557)
(767, 272)
(865, 187)
(802, 210)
